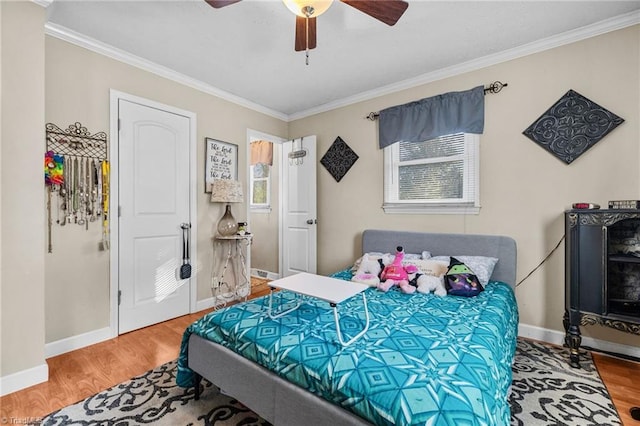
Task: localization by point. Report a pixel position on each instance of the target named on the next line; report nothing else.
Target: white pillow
(482, 266)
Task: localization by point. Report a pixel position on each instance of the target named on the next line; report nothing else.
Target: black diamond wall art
(338, 159)
(571, 126)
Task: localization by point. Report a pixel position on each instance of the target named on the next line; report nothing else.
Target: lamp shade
(226, 191)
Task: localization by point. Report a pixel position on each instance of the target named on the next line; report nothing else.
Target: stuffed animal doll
(461, 280)
(368, 271)
(428, 283)
(429, 277)
(396, 274)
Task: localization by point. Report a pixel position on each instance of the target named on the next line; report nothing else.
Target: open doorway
(263, 207)
(284, 223)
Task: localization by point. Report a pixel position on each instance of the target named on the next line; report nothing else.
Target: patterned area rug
(545, 391)
(154, 398)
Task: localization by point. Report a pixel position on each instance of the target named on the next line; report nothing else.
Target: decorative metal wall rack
(77, 172)
(77, 141)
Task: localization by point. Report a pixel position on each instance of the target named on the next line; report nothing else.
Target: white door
(153, 161)
(299, 212)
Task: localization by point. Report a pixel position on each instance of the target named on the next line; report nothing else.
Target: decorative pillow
(436, 268)
(388, 258)
(461, 281)
(482, 266)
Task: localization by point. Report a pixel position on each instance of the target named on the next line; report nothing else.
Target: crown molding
(599, 28)
(66, 34)
(43, 3)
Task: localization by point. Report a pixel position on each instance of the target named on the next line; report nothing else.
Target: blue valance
(429, 118)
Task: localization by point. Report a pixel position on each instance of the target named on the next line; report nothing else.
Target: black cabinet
(602, 272)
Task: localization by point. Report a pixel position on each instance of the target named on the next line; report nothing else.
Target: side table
(229, 253)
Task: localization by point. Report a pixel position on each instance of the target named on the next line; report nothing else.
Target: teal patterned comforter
(425, 359)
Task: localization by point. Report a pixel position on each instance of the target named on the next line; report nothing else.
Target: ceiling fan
(306, 11)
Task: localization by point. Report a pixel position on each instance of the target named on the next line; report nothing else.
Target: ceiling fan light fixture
(313, 7)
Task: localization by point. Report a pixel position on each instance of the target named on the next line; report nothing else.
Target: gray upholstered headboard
(504, 248)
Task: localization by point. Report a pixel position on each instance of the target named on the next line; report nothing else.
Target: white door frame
(114, 97)
(256, 134)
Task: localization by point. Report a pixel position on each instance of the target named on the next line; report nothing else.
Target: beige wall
(21, 186)
(77, 89)
(524, 189)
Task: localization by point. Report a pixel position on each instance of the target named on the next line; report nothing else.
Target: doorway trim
(114, 97)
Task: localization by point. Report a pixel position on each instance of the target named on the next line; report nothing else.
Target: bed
(432, 360)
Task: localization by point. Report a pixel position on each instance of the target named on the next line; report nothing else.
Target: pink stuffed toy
(396, 274)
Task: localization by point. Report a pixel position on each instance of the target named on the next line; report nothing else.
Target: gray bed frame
(282, 403)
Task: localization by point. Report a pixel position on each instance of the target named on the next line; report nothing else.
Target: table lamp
(226, 191)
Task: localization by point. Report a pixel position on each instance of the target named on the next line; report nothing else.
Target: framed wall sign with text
(221, 162)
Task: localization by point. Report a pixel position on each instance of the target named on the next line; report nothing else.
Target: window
(260, 187)
(435, 176)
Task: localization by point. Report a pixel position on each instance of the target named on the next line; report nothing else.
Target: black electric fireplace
(602, 272)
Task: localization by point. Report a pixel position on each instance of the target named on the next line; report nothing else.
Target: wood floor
(78, 374)
(622, 379)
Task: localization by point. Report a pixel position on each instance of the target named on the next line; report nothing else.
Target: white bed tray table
(331, 290)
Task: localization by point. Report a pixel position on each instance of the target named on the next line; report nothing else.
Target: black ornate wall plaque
(571, 126)
(338, 159)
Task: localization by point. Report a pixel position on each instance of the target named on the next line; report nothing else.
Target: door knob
(311, 221)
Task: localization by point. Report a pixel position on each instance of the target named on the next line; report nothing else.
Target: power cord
(542, 262)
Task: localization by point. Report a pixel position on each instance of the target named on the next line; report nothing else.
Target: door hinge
(119, 297)
(119, 124)
(119, 211)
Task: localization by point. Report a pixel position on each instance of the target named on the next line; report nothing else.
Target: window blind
(440, 171)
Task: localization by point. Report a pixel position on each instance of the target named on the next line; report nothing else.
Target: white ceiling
(245, 51)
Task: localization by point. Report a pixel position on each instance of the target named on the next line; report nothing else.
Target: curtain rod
(494, 87)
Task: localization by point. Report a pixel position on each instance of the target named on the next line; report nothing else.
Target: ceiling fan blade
(301, 33)
(221, 3)
(387, 11)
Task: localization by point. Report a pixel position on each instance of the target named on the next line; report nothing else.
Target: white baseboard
(77, 342)
(542, 334)
(23, 379)
(203, 304)
(557, 338)
(32, 376)
(259, 273)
